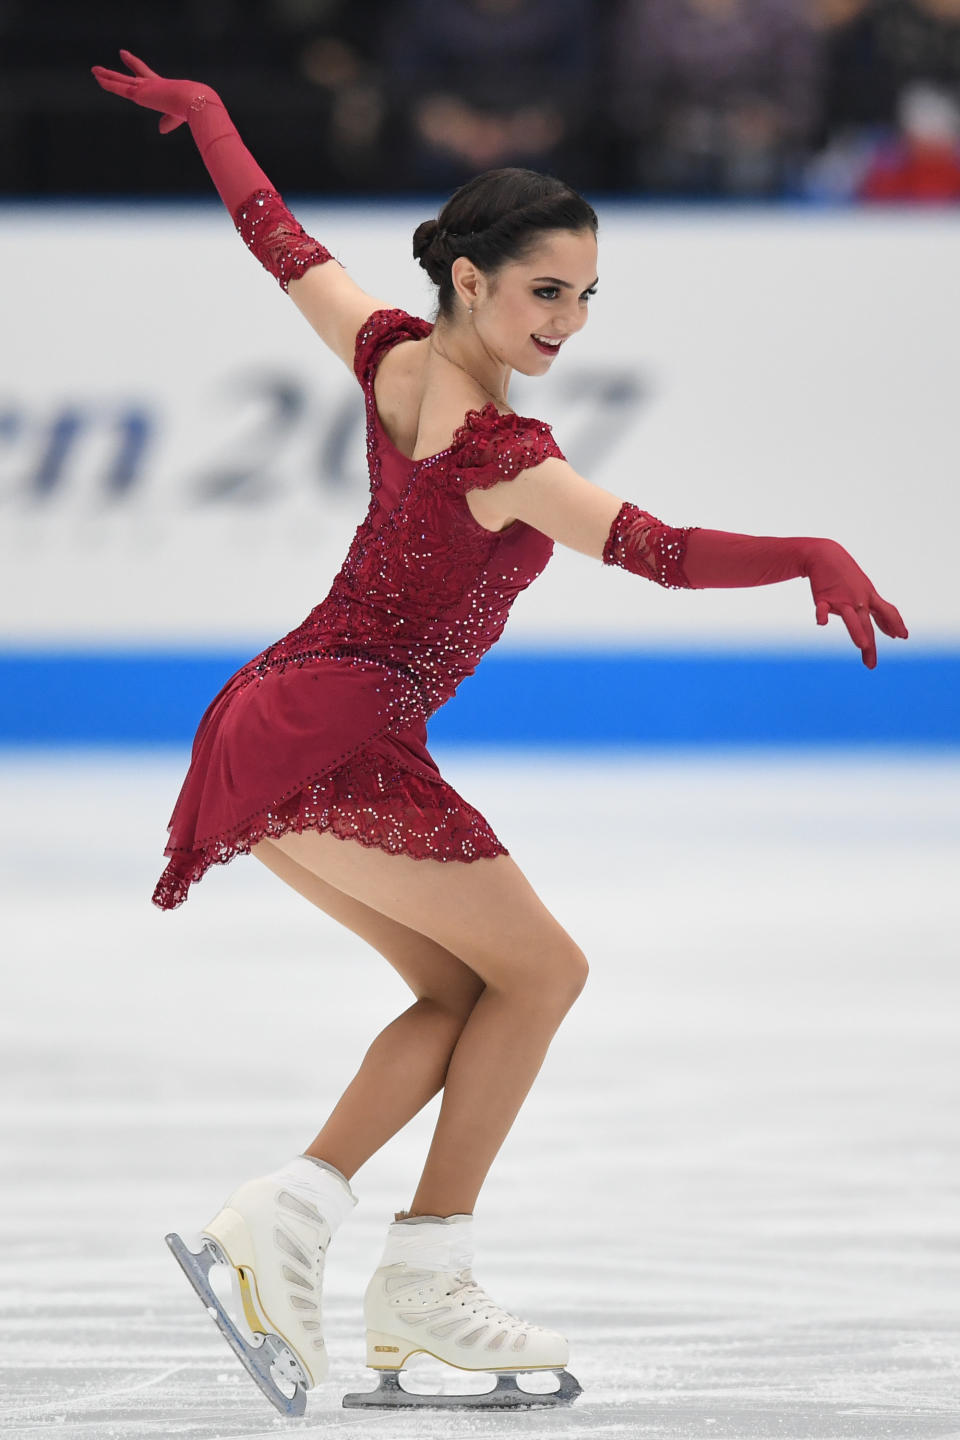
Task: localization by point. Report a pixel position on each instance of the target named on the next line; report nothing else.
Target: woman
(321, 739)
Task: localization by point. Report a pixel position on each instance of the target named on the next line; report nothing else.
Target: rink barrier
(525, 698)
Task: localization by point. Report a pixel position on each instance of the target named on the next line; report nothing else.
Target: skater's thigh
(432, 972)
(484, 911)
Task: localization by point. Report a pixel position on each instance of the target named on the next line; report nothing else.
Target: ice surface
(735, 1185)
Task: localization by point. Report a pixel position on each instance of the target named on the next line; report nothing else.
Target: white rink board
(182, 462)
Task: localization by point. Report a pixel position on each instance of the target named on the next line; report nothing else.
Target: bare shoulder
(443, 411)
(335, 306)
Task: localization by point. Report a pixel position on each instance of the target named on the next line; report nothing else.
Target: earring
(470, 311)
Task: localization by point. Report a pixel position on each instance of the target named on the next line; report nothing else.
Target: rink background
(734, 1185)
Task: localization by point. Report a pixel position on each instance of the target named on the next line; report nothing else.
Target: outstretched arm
(335, 306)
(554, 499)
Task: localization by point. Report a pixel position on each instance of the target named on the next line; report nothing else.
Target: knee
(555, 985)
(573, 975)
(451, 1007)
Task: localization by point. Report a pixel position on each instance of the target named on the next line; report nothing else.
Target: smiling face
(525, 312)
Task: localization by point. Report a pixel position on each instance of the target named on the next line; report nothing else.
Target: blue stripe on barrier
(525, 698)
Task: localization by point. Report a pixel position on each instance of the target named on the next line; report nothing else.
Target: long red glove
(697, 559)
(281, 245)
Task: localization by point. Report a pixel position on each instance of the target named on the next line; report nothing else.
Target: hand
(841, 588)
(173, 98)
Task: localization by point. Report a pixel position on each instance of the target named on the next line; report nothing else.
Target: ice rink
(736, 1183)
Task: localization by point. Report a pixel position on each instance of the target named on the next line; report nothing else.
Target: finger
(888, 618)
(115, 77)
(887, 624)
(115, 83)
(823, 611)
(861, 633)
(137, 66)
(869, 651)
(168, 123)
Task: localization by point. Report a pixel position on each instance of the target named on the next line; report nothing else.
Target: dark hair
(496, 218)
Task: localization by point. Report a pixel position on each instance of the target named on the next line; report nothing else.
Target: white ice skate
(423, 1300)
(272, 1235)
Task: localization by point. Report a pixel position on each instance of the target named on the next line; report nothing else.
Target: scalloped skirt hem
(384, 806)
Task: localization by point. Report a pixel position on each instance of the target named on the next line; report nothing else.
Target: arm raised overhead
(334, 304)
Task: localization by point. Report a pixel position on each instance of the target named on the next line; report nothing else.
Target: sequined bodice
(425, 589)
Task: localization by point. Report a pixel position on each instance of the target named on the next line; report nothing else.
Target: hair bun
(423, 238)
(430, 247)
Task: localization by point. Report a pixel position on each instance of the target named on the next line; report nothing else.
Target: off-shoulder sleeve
(380, 331)
(490, 446)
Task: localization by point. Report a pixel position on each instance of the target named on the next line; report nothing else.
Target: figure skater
(313, 756)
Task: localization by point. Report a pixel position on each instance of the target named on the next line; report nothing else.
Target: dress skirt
(327, 744)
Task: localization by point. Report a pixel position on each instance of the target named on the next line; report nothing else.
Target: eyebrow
(564, 284)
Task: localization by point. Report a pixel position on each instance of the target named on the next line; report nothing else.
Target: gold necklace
(497, 400)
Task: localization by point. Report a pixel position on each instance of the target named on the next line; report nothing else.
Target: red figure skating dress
(326, 729)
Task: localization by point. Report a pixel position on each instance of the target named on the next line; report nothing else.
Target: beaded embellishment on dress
(326, 728)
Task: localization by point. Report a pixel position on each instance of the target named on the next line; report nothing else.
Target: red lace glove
(699, 559)
(281, 245)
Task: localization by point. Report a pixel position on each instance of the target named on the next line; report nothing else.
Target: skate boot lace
(481, 1303)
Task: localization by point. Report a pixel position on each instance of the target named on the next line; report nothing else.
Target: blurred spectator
(297, 76)
(874, 48)
(923, 163)
(713, 97)
(891, 85)
(477, 84)
(331, 53)
(852, 99)
(858, 86)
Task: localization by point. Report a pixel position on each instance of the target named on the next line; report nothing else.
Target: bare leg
(403, 1069)
(487, 916)
(495, 1062)
(407, 1063)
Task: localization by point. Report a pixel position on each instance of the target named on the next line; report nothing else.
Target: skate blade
(508, 1395)
(260, 1361)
